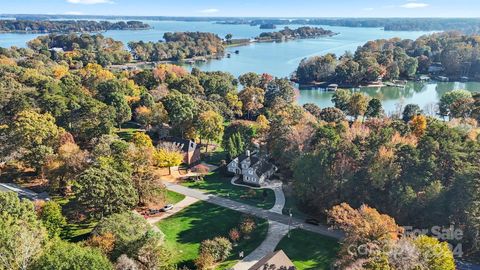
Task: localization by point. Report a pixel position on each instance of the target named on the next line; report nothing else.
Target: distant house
(435, 68)
(189, 148)
(253, 169)
(277, 260)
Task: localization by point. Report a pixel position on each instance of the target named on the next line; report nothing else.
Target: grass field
(216, 156)
(187, 229)
(75, 232)
(220, 185)
(173, 197)
(309, 250)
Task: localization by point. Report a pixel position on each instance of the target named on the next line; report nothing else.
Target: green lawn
(215, 157)
(77, 231)
(185, 231)
(173, 197)
(220, 185)
(309, 250)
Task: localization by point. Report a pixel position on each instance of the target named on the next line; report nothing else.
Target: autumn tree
(168, 155)
(434, 254)
(210, 126)
(419, 125)
(127, 229)
(252, 99)
(250, 80)
(357, 104)
(362, 226)
(63, 168)
(34, 136)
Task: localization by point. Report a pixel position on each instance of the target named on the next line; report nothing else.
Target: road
(252, 210)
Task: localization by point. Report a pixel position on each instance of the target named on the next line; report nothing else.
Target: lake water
(281, 59)
(426, 95)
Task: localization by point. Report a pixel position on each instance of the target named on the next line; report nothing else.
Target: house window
(247, 178)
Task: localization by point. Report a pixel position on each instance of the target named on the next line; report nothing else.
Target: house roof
(254, 160)
(242, 157)
(277, 259)
(264, 167)
(180, 141)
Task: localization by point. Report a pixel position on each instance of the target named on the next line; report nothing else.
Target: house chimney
(247, 152)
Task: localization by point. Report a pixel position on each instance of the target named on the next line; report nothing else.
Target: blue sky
(254, 8)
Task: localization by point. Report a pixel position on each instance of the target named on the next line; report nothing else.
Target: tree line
(39, 26)
(466, 25)
(178, 46)
(455, 55)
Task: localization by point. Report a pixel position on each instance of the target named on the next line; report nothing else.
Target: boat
(332, 87)
(442, 78)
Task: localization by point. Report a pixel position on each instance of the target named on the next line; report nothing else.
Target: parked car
(153, 211)
(167, 208)
(312, 221)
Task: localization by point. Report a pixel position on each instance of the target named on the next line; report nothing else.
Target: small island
(443, 57)
(290, 34)
(29, 26)
(268, 26)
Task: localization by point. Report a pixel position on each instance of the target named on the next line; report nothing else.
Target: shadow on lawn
(207, 221)
(220, 185)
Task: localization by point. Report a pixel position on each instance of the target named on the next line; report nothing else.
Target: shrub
(218, 247)
(104, 242)
(234, 234)
(204, 261)
(247, 225)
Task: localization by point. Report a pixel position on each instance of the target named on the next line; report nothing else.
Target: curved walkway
(276, 186)
(254, 211)
(276, 231)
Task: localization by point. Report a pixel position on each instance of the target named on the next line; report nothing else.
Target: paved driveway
(251, 210)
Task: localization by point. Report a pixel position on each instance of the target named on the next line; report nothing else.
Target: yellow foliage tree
(59, 71)
(141, 139)
(419, 125)
(168, 155)
(364, 226)
(263, 123)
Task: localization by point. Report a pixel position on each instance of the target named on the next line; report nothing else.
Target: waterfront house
(435, 68)
(255, 170)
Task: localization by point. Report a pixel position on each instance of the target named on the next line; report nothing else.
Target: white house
(253, 169)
